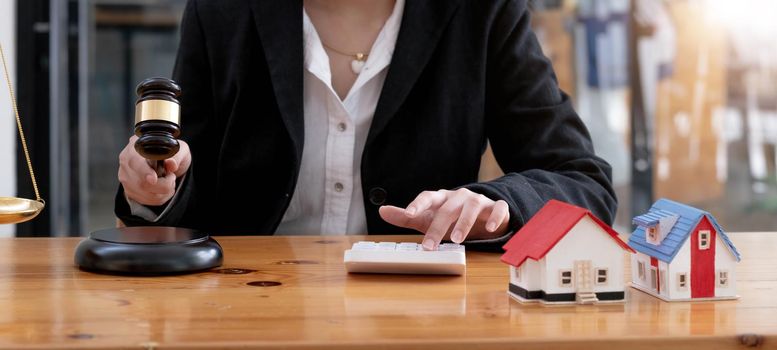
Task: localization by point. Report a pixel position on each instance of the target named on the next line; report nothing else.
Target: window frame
(722, 280)
(561, 278)
(598, 276)
(682, 281)
(652, 234)
(705, 236)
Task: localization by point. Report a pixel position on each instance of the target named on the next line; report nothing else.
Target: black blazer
(464, 72)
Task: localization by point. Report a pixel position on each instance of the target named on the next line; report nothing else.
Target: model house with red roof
(682, 254)
(565, 254)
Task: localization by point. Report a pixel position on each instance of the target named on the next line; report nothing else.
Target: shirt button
(377, 196)
(339, 187)
(341, 127)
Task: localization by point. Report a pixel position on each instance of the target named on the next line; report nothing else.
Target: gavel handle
(158, 166)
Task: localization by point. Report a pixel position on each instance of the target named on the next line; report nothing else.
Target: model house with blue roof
(682, 254)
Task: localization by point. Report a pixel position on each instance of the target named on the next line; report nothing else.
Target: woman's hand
(456, 214)
(139, 179)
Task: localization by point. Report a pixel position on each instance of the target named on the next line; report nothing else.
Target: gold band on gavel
(158, 110)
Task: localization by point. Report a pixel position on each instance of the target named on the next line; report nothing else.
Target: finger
(125, 156)
(182, 159)
(164, 185)
(397, 217)
(426, 200)
(140, 167)
(443, 219)
(128, 174)
(472, 208)
(500, 213)
(394, 215)
(171, 166)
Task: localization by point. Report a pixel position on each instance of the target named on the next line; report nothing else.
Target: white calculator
(405, 258)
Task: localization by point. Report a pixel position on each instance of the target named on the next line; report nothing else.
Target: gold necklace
(358, 61)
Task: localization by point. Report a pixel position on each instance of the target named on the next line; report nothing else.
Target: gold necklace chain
(19, 125)
(359, 56)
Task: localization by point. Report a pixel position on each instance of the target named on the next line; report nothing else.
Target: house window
(565, 278)
(517, 273)
(653, 278)
(652, 234)
(641, 270)
(704, 239)
(723, 279)
(682, 281)
(601, 276)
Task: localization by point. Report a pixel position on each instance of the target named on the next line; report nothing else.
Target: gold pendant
(358, 63)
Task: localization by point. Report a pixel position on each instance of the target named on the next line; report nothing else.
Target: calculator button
(407, 246)
(451, 247)
(365, 246)
(387, 246)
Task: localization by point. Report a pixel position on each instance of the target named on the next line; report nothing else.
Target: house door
(584, 276)
(703, 240)
(655, 279)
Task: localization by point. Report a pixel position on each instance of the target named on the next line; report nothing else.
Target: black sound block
(148, 250)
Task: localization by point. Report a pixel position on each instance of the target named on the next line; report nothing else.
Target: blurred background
(680, 96)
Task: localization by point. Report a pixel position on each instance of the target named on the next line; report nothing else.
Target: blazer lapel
(279, 24)
(423, 23)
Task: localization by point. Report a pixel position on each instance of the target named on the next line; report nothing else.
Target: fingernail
(410, 211)
(428, 244)
(457, 236)
(491, 226)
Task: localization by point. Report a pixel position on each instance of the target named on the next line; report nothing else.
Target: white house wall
(725, 260)
(530, 279)
(680, 264)
(513, 280)
(543, 268)
(585, 241)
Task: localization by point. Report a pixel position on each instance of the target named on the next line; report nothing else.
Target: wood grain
(48, 303)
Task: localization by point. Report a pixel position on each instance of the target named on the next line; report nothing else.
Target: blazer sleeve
(538, 140)
(193, 72)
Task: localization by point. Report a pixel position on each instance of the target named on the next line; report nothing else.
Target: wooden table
(293, 292)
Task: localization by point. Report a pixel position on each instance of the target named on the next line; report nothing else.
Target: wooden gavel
(157, 121)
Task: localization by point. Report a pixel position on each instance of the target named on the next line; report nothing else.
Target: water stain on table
(234, 271)
(297, 262)
(264, 283)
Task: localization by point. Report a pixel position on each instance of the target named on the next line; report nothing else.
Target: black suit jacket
(464, 72)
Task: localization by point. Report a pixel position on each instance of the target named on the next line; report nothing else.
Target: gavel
(157, 121)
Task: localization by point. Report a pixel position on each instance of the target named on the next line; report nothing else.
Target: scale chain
(19, 126)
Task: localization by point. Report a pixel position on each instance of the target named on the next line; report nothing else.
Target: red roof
(546, 228)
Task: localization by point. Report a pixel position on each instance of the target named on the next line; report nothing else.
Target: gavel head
(157, 118)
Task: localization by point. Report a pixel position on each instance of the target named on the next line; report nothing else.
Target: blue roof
(652, 217)
(689, 217)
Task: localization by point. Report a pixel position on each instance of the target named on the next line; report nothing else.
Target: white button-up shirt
(328, 198)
